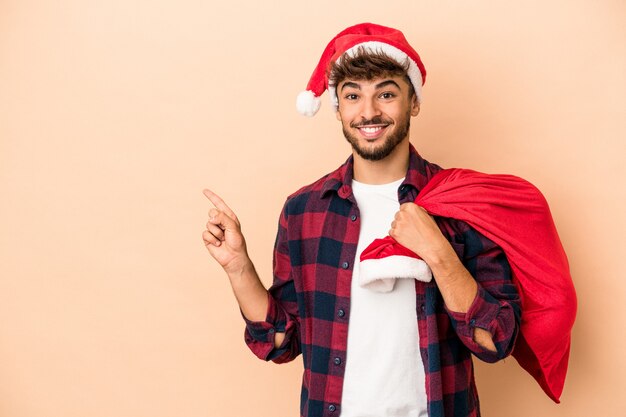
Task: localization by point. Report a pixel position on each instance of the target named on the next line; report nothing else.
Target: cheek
(345, 117)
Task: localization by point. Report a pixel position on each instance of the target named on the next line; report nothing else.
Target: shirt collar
(418, 174)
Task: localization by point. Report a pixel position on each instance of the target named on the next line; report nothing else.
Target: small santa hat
(385, 260)
(370, 37)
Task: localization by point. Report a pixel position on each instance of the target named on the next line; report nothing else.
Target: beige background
(115, 114)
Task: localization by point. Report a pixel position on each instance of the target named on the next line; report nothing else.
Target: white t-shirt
(384, 374)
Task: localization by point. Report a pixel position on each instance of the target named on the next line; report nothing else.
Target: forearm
(251, 295)
(458, 289)
(249, 291)
(456, 285)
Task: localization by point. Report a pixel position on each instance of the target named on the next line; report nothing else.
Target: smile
(372, 132)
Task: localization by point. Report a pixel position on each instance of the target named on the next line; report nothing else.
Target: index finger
(219, 203)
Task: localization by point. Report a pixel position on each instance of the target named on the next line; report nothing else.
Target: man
(404, 350)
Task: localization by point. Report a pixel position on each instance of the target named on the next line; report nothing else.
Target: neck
(391, 168)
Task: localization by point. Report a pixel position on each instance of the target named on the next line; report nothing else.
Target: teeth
(371, 129)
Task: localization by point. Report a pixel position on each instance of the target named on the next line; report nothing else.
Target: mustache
(377, 120)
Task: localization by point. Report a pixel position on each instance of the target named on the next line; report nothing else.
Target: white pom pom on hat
(307, 103)
(371, 37)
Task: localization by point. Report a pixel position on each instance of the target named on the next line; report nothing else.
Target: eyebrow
(386, 83)
(350, 84)
(378, 86)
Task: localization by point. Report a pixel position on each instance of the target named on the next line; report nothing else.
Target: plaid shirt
(309, 300)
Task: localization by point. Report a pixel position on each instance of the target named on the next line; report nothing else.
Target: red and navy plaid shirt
(309, 300)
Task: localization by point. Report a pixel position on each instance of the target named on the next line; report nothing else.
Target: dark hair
(367, 65)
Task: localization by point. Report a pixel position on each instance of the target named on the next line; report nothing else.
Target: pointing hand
(222, 237)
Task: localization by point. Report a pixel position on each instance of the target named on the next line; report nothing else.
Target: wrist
(244, 276)
(238, 268)
(443, 261)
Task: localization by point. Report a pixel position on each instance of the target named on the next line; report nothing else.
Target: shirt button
(341, 313)
(332, 408)
(337, 361)
(472, 322)
(423, 307)
(345, 265)
(353, 217)
(270, 331)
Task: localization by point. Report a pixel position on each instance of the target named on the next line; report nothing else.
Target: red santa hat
(371, 38)
(385, 260)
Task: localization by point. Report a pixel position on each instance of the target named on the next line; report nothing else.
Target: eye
(351, 96)
(387, 95)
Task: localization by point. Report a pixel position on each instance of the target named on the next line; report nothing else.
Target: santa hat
(385, 260)
(371, 38)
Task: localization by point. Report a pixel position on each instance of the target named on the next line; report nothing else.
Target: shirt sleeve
(282, 310)
(496, 307)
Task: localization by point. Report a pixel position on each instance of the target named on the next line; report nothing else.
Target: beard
(401, 130)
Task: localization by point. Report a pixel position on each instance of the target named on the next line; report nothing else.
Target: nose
(370, 109)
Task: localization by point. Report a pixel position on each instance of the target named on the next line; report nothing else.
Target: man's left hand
(416, 230)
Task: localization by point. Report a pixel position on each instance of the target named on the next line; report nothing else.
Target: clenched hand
(415, 229)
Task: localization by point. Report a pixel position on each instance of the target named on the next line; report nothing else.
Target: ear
(415, 105)
(338, 114)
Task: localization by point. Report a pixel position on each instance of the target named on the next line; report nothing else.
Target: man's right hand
(225, 243)
(223, 238)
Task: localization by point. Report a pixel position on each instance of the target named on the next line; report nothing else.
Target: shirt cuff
(260, 335)
(482, 313)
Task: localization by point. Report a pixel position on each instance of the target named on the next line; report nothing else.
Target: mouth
(372, 132)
